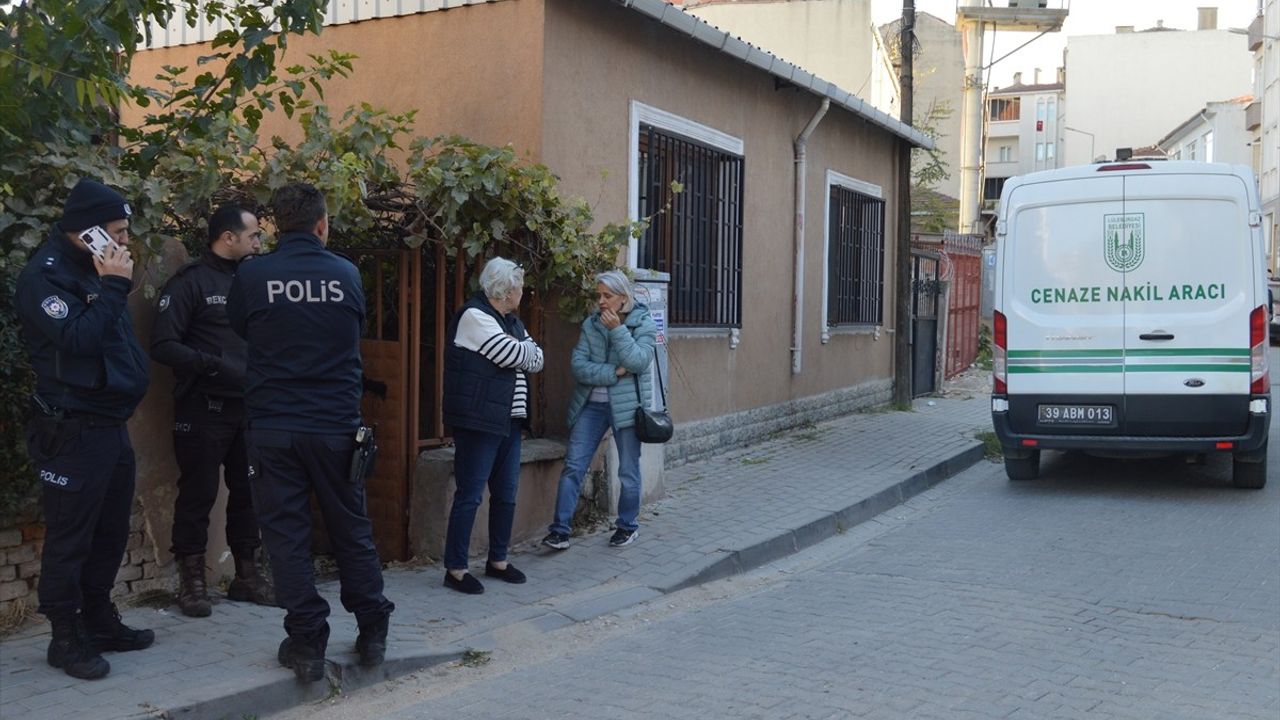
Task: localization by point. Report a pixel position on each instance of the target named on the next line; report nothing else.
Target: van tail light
(1000, 354)
(1259, 377)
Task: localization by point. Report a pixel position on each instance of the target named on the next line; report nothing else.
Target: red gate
(964, 260)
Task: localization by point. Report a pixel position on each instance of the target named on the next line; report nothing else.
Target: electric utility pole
(902, 264)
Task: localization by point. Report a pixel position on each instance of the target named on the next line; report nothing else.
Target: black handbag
(653, 426)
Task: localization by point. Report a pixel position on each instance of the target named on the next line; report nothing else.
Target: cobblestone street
(1107, 589)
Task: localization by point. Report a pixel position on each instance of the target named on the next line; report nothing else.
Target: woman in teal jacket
(612, 367)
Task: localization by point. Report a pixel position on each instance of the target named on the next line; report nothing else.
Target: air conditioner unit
(1029, 3)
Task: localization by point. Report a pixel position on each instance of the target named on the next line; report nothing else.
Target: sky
(1086, 17)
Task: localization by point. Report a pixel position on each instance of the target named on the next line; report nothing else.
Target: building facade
(763, 329)
(1215, 133)
(1262, 117)
(834, 39)
(938, 81)
(1126, 89)
(1025, 132)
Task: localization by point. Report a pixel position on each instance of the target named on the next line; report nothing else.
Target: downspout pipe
(797, 295)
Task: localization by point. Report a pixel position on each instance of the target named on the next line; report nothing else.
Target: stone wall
(701, 438)
(20, 548)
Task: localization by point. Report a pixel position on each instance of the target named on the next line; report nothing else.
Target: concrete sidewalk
(721, 516)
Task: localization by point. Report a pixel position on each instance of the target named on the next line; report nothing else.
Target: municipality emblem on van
(1124, 240)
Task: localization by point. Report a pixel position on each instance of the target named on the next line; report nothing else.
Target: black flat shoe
(509, 574)
(468, 585)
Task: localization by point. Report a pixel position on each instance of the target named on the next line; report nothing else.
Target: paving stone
(720, 516)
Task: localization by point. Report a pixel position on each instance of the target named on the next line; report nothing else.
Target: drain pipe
(797, 297)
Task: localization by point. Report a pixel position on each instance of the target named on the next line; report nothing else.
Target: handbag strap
(657, 369)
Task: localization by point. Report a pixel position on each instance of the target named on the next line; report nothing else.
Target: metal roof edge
(702, 31)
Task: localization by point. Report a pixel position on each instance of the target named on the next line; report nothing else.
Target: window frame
(669, 122)
(838, 179)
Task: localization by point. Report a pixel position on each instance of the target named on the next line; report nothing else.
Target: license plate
(1077, 414)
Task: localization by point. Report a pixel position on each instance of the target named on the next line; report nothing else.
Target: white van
(1130, 315)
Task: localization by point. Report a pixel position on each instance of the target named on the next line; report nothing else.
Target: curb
(793, 541)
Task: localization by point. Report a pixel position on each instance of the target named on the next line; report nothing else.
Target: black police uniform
(193, 336)
(90, 375)
(301, 309)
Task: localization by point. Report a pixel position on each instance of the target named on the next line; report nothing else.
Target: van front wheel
(1249, 475)
(1023, 468)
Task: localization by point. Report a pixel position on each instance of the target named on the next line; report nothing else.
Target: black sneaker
(623, 537)
(556, 541)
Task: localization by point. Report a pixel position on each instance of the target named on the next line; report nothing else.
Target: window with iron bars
(855, 264)
(698, 239)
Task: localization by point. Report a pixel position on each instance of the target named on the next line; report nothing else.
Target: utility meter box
(651, 290)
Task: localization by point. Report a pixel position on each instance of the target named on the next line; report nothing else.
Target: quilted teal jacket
(600, 351)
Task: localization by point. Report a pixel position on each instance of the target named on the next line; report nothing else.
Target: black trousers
(208, 436)
(87, 473)
(285, 469)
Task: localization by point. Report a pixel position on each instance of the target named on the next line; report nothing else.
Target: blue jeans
(481, 458)
(596, 418)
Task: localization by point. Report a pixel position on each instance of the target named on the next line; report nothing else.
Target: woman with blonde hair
(612, 368)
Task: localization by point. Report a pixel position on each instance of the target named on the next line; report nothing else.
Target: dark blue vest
(477, 393)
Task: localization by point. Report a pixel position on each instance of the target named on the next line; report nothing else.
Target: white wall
(1129, 89)
(833, 39)
(1216, 135)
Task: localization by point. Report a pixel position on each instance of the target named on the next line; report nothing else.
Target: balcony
(1256, 33)
(1253, 115)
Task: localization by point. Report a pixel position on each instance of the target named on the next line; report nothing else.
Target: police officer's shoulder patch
(55, 307)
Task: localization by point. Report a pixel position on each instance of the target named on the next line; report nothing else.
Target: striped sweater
(480, 332)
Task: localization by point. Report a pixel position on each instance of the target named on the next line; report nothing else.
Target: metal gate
(924, 322)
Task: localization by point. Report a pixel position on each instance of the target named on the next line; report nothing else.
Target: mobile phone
(97, 240)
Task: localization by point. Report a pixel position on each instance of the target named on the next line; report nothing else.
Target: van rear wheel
(1023, 468)
(1249, 475)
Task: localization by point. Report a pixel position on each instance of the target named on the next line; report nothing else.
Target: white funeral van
(1130, 315)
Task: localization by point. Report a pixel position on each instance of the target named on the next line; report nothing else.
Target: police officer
(192, 336)
(90, 375)
(301, 309)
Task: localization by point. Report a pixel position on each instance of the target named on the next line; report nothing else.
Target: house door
(924, 323)
(390, 387)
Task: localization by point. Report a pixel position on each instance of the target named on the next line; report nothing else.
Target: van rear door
(1192, 277)
(1065, 321)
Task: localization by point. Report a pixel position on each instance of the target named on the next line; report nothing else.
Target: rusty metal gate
(964, 253)
(924, 322)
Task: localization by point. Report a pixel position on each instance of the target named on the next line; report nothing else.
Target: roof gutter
(698, 29)
(797, 294)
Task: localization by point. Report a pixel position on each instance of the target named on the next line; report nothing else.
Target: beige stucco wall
(474, 70)
(834, 39)
(938, 78)
(599, 58)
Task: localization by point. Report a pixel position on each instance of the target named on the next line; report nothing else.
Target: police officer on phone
(301, 309)
(192, 336)
(91, 373)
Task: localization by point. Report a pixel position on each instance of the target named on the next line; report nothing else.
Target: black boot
(304, 654)
(106, 632)
(249, 585)
(71, 651)
(372, 642)
(193, 591)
